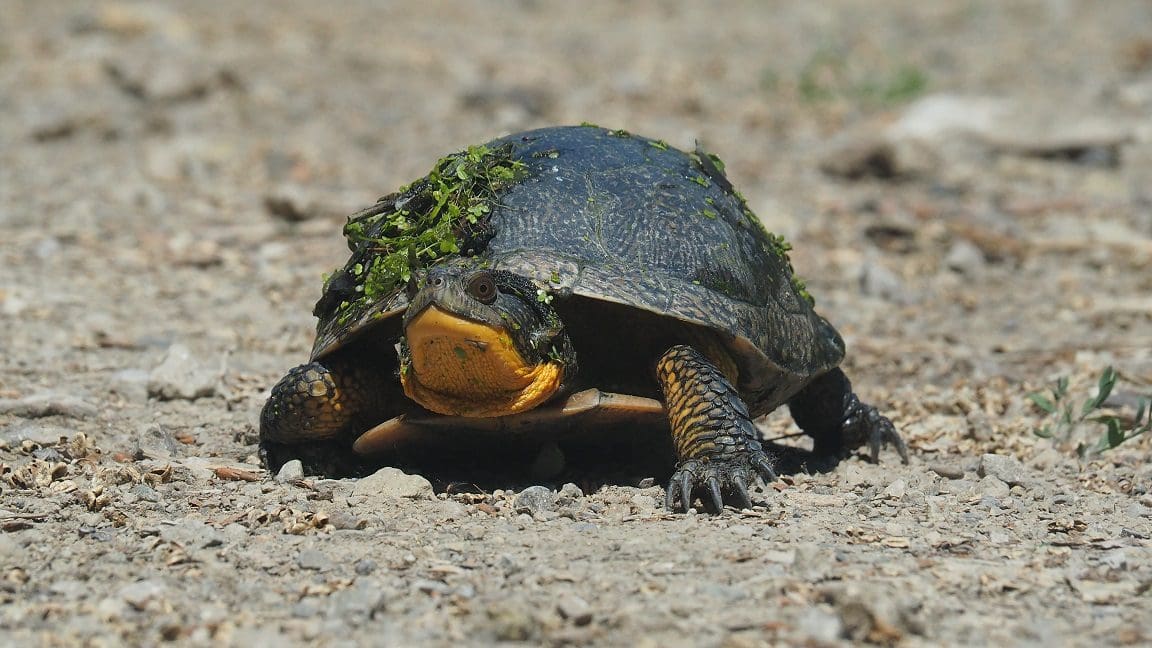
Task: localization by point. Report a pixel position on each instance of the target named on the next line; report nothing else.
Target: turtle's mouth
(460, 367)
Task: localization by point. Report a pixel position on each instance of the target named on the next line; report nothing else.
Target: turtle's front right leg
(717, 446)
(313, 412)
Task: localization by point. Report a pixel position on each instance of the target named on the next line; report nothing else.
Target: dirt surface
(968, 187)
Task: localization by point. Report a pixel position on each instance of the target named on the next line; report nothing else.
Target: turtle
(571, 278)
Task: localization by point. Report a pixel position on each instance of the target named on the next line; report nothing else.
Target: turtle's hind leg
(717, 446)
(829, 411)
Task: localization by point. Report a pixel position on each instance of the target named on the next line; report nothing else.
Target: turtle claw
(867, 423)
(740, 487)
(719, 477)
(714, 491)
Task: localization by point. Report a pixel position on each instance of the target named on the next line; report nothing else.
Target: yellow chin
(464, 368)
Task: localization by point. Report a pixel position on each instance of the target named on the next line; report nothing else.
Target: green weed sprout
(1066, 416)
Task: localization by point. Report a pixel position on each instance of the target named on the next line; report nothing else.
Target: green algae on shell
(443, 213)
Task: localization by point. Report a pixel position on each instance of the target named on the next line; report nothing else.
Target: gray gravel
(967, 188)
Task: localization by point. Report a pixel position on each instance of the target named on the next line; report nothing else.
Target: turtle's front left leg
(717, 446)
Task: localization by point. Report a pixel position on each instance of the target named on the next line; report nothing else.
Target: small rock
(393, 483)
(896, 489)
(878, 281)
(42, 435)
(140, 593)
(941, 116)
(157, 442)
(182, 375)
(870, 614)
(643, 502)
(291, 203)
(948, 471)
(146, 493)
(345, 520)
(574, 609)
(1007, 469)
(201, 468)
(47, 404)
(10, 552)
(291, 471)
(132, 384)
(364, 566)
(191, 533)
(535, 499)
(429, 586)
(992, 486)
(965, 258)
(781, 557)
(861, 155)
(362, 599)
(513, 621)
(819, 626)
(568, 494)
(313, 559)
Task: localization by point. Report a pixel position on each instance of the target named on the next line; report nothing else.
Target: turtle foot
(718, 478)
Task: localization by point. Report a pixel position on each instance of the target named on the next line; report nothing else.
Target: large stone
(392, 484)
(1007, 469)
(182, 375)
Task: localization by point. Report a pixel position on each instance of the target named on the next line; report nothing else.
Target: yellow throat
(463, 368)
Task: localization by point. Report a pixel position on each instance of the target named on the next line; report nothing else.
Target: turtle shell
(604, 215)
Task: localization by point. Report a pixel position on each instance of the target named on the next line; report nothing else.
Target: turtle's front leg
(313, 411)
(717, 446)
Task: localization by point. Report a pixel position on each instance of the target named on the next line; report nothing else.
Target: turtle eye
(483, 287)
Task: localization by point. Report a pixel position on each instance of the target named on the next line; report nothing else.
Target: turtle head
(481, 343)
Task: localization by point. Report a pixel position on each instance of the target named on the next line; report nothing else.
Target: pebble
(819, 626)
(512, 621)
(1007, 469)
(535, 500)
(182, 375)
(344, 520)
(290, 472)
(643, 502)
(964, 257)
(9, 550)
(568, 494)
(362, 599)
(364, 567)
(48, 404)
(156, 442)
(896, 489)
(878, 281)
(992, 486)
(392, 483)
(43, 435)
(291, 203)
(313, 559)
(574, 609)
(140, 593)
(132, 384)
(146, 493)
(190, 532)
(948, 471)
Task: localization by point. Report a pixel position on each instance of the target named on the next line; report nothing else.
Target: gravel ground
(968, 187)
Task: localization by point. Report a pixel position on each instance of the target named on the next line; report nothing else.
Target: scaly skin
(717, 445)
(316, 408)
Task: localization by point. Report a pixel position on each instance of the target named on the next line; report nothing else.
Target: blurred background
(967, 185)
